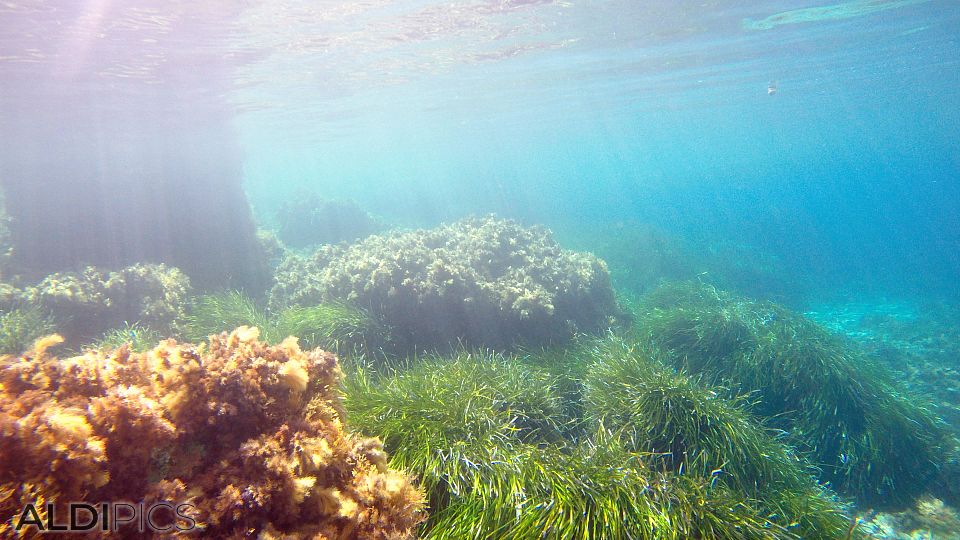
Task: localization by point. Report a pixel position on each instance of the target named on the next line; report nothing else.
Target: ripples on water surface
(334, 60)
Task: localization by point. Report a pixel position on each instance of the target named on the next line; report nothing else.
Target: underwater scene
(480, 269)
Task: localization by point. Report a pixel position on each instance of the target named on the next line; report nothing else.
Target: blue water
(609, 111)
(563, 113)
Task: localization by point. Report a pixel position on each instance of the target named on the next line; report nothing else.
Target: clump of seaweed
(501, 456)
(309, 220)
(871, 439)
(88, 303)
(250, 434)
(484, 282)
(335, 326)
(21, 326)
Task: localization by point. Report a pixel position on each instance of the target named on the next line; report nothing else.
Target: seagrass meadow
(480, 269)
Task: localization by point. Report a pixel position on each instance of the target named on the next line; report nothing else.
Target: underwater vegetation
(482, 281)
(251, 434)
(335, 326)
(920, 343)
(86, 304)
(213, 313)
(20, 326)
(870, 437)
(309, 220)
(694, 429)
(501, 455)
(136, 336)
(709, 416)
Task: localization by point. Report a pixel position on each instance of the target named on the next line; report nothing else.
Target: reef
(482, 281)
(872, 438)
(309, 220)
(251, 435)
(88, 303)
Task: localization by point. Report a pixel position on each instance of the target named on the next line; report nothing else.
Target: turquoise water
(561, 113)
(795, 151)
(570, 113)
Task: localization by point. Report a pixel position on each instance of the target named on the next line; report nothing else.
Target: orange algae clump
(250, 434)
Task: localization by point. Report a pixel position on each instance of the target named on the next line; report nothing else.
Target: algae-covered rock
(270, 246)
(250, 435)
(86, 304)
(482, 280)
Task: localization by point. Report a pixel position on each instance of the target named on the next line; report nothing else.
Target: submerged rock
(484, 281)
(85, 304)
